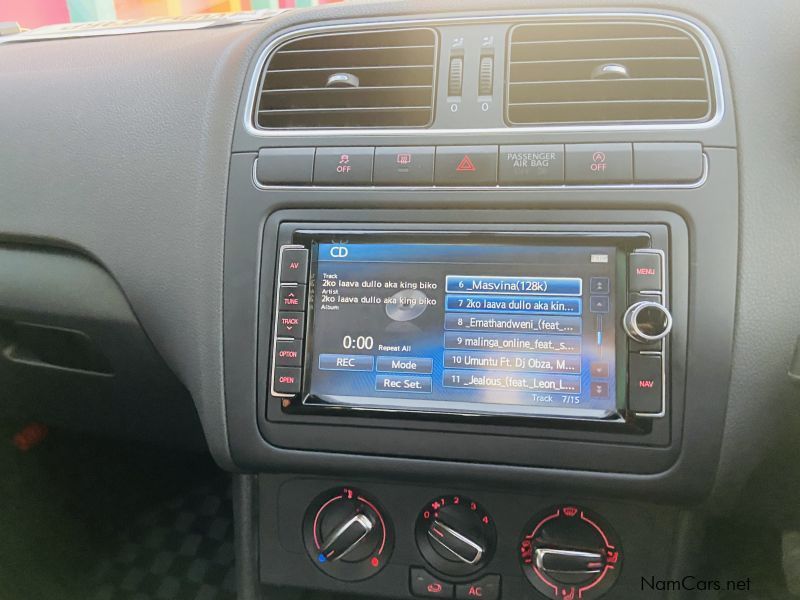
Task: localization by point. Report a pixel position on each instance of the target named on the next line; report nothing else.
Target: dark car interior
(489, 300)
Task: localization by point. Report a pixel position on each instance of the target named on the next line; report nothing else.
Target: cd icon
(406, 305)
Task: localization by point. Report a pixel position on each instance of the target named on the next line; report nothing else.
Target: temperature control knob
(647, 321)
(455, 535)
(347, 535)
(570, 552)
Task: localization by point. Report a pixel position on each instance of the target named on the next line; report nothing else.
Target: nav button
(645, 383)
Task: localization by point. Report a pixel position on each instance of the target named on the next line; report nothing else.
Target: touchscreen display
(462, 328)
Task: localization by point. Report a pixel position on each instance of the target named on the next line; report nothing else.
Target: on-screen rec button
(404, 364)
(345, 362)
(403, 383)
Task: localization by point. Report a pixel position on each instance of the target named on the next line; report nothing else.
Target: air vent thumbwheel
(569, 552)
(347, 534)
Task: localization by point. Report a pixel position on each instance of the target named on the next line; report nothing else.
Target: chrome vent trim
(599, 70)
(248, 116)
(375, 78)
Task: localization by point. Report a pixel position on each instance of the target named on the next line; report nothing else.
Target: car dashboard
(473, 301)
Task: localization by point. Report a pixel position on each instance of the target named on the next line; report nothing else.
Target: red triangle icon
(466, 164)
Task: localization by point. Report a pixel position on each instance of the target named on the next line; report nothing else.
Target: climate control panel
(386, 540)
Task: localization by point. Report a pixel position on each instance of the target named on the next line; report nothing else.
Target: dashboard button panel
(665, 164)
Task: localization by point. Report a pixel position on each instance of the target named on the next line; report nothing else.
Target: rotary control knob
(455, 535)
(647, 321)
(570, 552)
(347, 535)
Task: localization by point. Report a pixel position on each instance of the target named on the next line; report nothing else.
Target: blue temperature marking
(322, 558)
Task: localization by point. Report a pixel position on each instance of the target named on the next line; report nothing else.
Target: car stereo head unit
(534, 325)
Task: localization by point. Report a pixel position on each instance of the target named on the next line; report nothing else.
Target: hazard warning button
(466, 165)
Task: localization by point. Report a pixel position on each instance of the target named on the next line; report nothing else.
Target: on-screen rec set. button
(403, 383)
(345, 362)
(554, 286)
(404, 364)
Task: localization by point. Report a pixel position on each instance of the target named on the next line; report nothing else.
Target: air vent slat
(595, 71)
(354, 79)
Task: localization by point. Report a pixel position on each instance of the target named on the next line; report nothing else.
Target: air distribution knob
(570, 553)
(347, 535)
(647, 321)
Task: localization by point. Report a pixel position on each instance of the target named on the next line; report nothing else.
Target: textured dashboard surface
(120, 146)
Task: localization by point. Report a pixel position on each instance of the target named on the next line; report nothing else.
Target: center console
(470, 354)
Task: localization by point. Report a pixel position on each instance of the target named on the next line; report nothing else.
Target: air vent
(603, 71)
(355, 79)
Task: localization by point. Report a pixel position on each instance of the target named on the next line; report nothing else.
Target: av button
(487, 588)
(599, 163)
(294, 265)
(466, 165)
